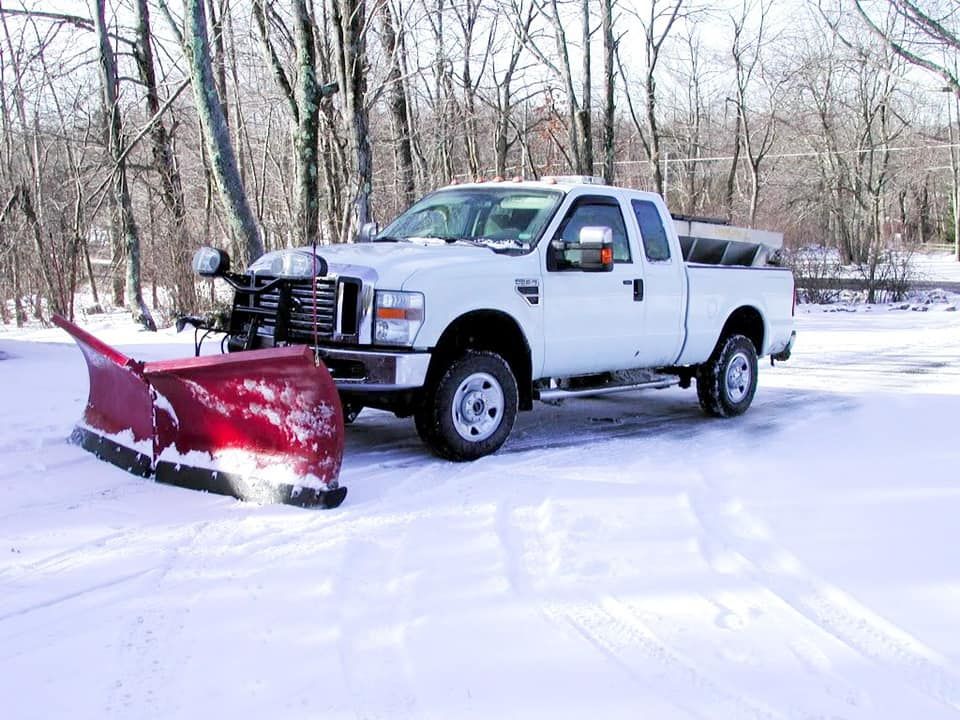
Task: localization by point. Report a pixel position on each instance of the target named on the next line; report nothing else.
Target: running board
(555, 394)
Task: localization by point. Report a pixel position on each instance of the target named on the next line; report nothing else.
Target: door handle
(638, 290)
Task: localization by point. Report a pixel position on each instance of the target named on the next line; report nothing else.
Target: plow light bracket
(211, 262)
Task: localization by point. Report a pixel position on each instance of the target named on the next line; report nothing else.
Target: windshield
(497, 217)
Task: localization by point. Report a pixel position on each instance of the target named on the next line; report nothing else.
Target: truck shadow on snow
(380, 439)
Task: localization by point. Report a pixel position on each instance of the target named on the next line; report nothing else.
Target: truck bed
(769, 289)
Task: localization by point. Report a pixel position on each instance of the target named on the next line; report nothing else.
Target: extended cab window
(655, 244)
(597, 212)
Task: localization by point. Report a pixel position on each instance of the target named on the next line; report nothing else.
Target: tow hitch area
(261, 425)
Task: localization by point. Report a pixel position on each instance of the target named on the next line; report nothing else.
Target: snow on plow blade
(260, 425)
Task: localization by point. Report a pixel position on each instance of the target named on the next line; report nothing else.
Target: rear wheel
(727, 382)
(469, 412)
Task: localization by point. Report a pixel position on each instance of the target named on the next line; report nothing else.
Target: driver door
(592, 320)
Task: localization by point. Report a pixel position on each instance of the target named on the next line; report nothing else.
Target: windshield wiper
(488, 243)
(499, 243)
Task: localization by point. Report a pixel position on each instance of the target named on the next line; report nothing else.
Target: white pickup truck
(482, 298)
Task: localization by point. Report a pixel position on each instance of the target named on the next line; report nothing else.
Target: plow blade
(261, 425)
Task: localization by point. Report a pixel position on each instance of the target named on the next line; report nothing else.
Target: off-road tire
(470, 410)
(727, 382)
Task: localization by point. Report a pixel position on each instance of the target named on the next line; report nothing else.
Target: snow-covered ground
(935, 265)
(622, 557)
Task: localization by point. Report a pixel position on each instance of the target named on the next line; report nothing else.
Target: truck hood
(395, 262)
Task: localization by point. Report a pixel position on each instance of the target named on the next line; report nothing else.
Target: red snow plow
(260, 425)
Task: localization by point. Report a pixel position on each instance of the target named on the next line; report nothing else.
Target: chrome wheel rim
(477, 407)
(738, 377)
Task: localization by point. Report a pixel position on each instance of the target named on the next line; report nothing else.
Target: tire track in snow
(903, 658)
(76, 594)
(372, 651)
(58, 560)
(629, 644)
(149, 653)
(128, 486)
(613, 630)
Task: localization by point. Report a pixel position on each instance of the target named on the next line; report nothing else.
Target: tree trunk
(573, 108)
(609, 109)
(351, 56)
(28, 196)
(216, 133)
(584, 123)
(754, 190)
(954, 135)
(732, 174)
(308, 105)
(468, 19)
(164, 161)
(117, 255)
(391, 34)
(218, 58)
(126, 224)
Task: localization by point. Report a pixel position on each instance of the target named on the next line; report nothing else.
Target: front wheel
(727, 382)
(469, 412)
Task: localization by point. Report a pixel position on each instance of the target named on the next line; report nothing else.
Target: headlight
(397, 317)
(290, 264)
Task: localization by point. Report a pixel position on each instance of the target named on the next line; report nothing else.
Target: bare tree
(520, 15)
(609, 84)
(216, 132)
(758, 128)
(925, 33)
(350, 56)
(126, 224)
(392, 34)
(303, 96)
(467, 13)
(165, 163)
(657, 24)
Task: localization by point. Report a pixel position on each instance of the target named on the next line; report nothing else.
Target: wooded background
(133, 131)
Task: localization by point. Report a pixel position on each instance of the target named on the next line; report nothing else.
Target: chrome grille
(278, 312)
(303, 311)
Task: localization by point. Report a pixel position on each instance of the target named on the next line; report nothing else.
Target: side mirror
(211, 262)
(593, 251)
(596, 249)
(367, 232)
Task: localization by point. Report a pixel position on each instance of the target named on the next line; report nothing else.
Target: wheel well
(745, 321)
(493, 331)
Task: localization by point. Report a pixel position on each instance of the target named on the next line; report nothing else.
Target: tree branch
(952, 80)
(143, 132)
(283, 81)
(76, 21)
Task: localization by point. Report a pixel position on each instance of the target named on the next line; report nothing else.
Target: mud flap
(262, 425)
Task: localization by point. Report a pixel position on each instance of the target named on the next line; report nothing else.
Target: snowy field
(619, 558)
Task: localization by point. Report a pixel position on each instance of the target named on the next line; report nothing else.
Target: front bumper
(372, 370)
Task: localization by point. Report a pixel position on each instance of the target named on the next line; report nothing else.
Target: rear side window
(655, 245)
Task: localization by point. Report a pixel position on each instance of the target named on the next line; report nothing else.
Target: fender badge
(528, 289)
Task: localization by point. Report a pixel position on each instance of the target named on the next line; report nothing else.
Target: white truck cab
(481, 298)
